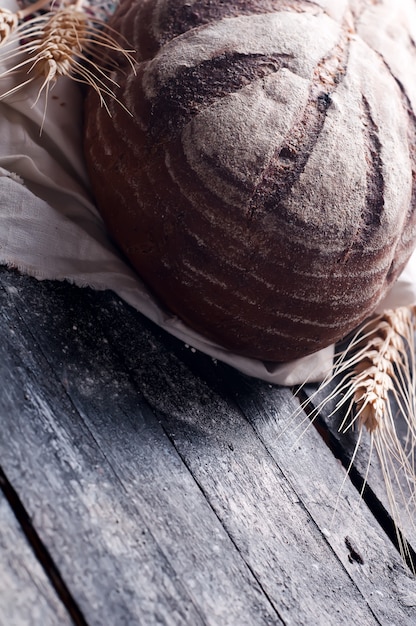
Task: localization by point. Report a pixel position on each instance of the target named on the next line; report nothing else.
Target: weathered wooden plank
(26, 594)
(366, 466)
(105, 551)
(384, 581)
(334, 504)
(127, 525)
(264, 516)
(386, 584)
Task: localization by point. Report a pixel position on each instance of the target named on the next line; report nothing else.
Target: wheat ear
(65, 42)
(9, 20)
(8, 24)
(375, 385)
(386, 371)
(384, 363)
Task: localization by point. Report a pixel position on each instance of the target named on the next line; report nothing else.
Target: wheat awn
(62, 42)
(373, 382)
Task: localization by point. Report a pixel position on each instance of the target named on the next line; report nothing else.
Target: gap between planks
(370, 489)
(40, 551)
(162, 363)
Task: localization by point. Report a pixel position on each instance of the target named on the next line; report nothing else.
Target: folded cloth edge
(50, 228)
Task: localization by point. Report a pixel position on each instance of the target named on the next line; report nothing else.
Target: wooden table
(144, 483)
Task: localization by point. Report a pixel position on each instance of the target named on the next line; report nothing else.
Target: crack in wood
(41, 552)
(369, 497)
(220, 519)
(354, 556)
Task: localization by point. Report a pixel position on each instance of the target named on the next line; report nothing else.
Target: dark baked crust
(265, 185)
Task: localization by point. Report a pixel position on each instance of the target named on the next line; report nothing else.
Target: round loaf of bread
(263, 180)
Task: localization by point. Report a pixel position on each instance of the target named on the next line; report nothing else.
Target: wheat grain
(8, 24)
(386, 370)
(63, 42)
(374, 375)
(374, 385)
(9, 20)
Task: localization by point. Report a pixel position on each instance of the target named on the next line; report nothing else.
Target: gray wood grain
(26, 595)
(125, 521)
(312, 480)
(232, 528)
(366, 464)
(266, 520)
(334, 504)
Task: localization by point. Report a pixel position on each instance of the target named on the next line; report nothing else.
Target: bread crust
(264, 186)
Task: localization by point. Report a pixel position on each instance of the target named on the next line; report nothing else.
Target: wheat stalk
(62, 42)
(385, 371)
(375, 383)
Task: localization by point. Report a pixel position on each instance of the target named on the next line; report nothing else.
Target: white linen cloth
(50, 228)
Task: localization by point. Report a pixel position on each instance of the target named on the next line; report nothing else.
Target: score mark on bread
(265, 185)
